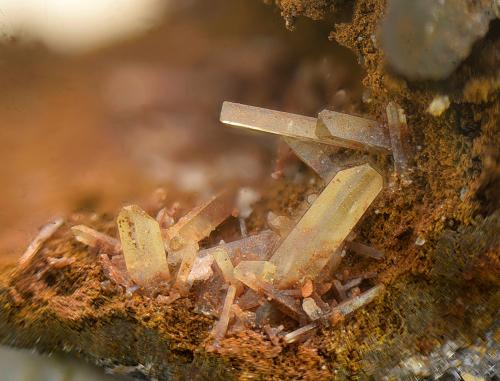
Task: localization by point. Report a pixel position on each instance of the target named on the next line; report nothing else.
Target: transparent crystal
(222, 259)
(96, 239)
(352, 131)
(326, 224)
(365, 250)
(200, 221)
(249, 271)
(311, 309)
(281, 224)
(275, 122)
(43, 235)
(220, 328)
(315, 155)
(188, 254)
(400, 139)
(254, 247)
(142, 245)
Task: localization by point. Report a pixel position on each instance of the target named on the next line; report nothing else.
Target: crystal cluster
(286, 274)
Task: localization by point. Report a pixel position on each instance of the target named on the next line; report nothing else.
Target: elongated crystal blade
(95, 239)
(188, 254)
(400, 139)
(220, 328)
(200, 221)
(352, 131)
(315, 155)
(253, 247)
(274, 122)
(326, 224)
(226, 267)
(142, 245)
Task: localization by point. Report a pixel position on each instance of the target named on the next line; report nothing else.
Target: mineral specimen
(400, 140)
(311, 309)
(325, 226)
(188, 254)
(220, 328)
(43, 235)
(438, 105)
(95, 239)
(200, 221)
(224, 262)
(248, 272)
(281, 224)
(337, 312)
(351, 131)
(330, 128)
(275, 122)
(315, 155)
(142, 245)
(365, 250)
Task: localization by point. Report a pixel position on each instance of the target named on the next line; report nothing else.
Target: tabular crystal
(324, 227)
(142, 245)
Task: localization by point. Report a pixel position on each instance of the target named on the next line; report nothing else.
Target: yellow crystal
(142, 245)
(250, 271)
(326, 224)
(222, 259)
(274, 122)
(188, 254)
(200, 221)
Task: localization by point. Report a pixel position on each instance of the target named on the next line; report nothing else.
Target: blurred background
(104, 102)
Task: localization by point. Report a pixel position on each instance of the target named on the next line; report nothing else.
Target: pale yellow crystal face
(200, 221)
(352, 131)
(222, 259)
(142, 245)
(274, 122)
(188, 254)
(326, 224)
(247, 271)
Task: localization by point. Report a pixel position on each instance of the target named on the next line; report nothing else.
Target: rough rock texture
(445, 289)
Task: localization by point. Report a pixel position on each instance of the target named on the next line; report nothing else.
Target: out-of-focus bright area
(102, 102)
(72, 26)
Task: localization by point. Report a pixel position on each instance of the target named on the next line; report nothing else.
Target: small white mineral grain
(420, 241)
(439, 104)
(311, 309)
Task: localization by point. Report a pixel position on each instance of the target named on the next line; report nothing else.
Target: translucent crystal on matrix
(352, 131)
(142, 245)
(200, 221)
(250, 271)
(188, 254)
(326, 224)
